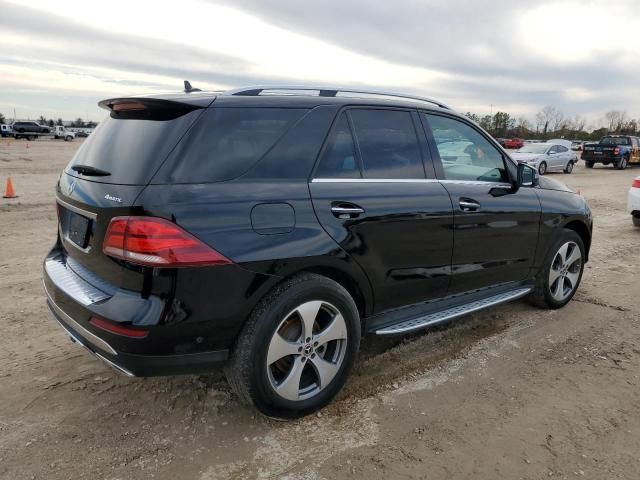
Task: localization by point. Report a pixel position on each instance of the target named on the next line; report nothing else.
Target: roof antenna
(188, 88)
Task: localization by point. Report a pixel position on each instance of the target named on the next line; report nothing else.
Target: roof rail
(330, 92)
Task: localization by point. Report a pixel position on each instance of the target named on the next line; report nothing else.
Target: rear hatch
(108, 173)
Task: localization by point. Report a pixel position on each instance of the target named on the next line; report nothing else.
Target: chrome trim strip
(73, 285)
(114, 365)
(86, 334)
(374, 180)
(409, 180)
(77, 210)
(451, 313)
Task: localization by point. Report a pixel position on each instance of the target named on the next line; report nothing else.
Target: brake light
(156, 242)
(616, 151)
(121, 330)
(636, 183)
(128, 107)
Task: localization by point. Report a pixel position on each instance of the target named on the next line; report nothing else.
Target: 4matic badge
(112, 198)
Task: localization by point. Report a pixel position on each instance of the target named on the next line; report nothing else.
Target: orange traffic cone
(8, 189)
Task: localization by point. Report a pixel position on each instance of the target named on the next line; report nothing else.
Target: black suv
(269, 229)
(29, 127)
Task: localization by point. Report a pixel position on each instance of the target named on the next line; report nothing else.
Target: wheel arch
(583, 231)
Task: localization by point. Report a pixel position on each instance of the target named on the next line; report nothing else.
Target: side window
(464, 152)
(554, 149)
(561, 149)
(388, 144)
(339, 159)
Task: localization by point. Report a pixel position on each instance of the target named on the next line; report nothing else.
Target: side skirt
(445, 310)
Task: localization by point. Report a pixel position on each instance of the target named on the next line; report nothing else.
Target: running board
(453, 312)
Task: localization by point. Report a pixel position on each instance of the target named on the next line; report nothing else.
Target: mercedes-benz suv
(270, 229)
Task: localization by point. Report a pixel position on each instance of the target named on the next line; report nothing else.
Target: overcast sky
(58, 59)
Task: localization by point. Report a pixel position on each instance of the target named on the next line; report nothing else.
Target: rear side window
(388, 144)
(225, 143)
(339, 159)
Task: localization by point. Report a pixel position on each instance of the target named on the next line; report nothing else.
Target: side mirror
(527, 175)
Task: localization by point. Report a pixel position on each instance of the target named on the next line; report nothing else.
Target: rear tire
(622, 164)
(636, 221)
(282, 369)
(559, 278)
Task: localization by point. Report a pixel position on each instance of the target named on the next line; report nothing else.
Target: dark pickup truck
(618, 150)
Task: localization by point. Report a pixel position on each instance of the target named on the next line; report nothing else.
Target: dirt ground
(513, 392)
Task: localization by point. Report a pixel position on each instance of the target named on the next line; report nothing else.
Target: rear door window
(388, 144)
(225, 143)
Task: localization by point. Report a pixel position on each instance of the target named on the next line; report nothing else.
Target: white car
(633, 201)
(551, 156)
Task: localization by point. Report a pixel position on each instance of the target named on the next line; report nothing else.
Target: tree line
(77, 123)
(552, 123)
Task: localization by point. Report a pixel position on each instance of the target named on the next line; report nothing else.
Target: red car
(514, 143)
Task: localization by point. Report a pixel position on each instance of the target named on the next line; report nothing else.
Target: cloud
(514, 55)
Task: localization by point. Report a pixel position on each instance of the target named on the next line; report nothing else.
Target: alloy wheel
(307, 350)
(542, 169)
(564, 273)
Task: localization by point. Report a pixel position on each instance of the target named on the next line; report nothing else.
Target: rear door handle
(468, 205)
(346, 211)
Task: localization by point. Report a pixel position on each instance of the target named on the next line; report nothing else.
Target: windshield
(614, 141)
(534, 148)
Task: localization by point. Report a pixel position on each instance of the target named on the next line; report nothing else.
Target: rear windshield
(225, 143)
(614, 141)
(130, 149)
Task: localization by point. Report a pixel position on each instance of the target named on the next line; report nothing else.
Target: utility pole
(492, 109)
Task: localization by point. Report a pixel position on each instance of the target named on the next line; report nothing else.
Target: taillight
(616, 151)
(121, 330)
(156, 242)
(636, 183)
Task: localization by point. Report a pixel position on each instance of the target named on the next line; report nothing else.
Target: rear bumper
(633, 201)
(74, 299)
(601, 158)
(136, 365)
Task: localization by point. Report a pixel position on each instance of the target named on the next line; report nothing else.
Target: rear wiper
(90, 171)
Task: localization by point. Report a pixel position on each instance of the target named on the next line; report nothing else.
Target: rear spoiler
(153, 108)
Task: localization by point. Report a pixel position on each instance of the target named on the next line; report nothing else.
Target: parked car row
(32, 130)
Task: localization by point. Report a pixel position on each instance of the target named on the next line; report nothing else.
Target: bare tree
(615, 120)
(579, 123)
(550, 119)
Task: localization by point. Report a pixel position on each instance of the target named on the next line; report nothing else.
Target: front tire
(636, 221)
(297, 347)
(542, 169)
(558, 280)
(589, 164)
(568, 168)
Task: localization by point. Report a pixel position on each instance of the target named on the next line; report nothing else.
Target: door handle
(467, 205)
(346, 211)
